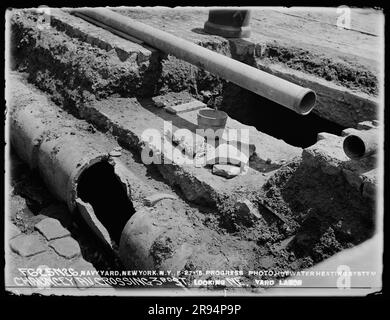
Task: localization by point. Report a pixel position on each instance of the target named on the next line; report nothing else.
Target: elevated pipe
(281, 91)
(361, 144)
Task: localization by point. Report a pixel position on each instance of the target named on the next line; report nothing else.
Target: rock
(82, 277)
(66, 247)
(51, 229)
(13, 231)
(329, 156)
(27, 245)
(153, 199)
(226, 170)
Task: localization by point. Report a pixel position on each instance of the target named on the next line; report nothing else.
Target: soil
(306, 216)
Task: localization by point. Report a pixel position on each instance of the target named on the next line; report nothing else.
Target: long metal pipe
(281, 91)
(361, 144)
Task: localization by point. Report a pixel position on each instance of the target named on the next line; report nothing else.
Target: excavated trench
(99, 186)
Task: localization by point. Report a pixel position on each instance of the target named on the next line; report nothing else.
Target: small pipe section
(281, 91)
(361, 144)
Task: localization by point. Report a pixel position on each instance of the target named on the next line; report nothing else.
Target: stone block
(27, 245)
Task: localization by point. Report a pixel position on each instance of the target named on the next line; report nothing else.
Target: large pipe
(361, 144)
(283, 92)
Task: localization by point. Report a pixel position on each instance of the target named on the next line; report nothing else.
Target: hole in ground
(274, 119)
(100, 187)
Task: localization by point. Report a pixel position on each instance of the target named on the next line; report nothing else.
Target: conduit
(361, 144)
(283, 92)
(73, 163)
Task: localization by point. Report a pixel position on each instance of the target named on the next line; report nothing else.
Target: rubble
(225, 154)
(328, 155)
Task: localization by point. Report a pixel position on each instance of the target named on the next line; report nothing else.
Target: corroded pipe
(60, 148)
(361, 144)
(229, 23)
(281, 91)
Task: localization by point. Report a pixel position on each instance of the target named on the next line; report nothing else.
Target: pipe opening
(307, 103)
(100, 187)
(354, 147)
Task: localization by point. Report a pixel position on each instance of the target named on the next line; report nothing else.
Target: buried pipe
(361, 144)
(281, 91)
(74, 164)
